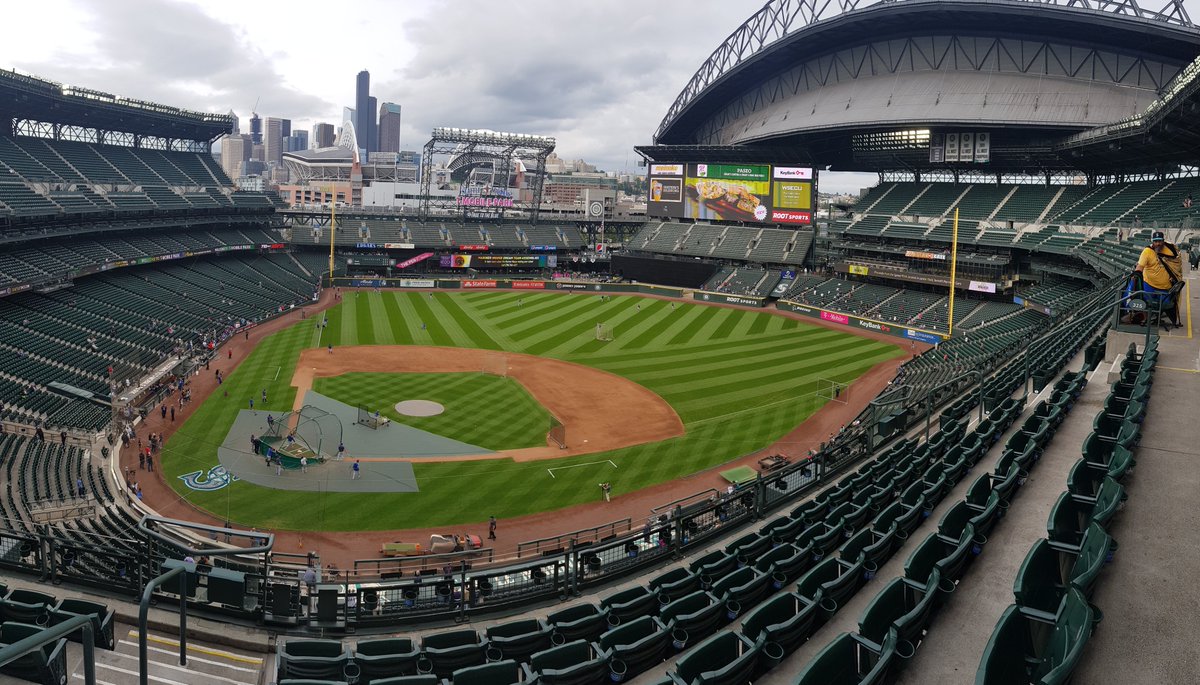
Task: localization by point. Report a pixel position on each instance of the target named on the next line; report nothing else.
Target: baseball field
(737, 379)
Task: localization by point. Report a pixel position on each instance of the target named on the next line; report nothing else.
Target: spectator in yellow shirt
(1161, 268)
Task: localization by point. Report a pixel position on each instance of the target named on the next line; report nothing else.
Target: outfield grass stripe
(577, 325)
(420, 336)
(760, 322)
(646, 314)
(727, 323)
(805, 332)
(532, 306)
(436, 329)
(705, 369)
(699, 319)
(347, 325)
(468, 322)
(541, 325)
(400, 330)
(363, 327)
(380, 324)
(447, 322)
(666, 322)
(616, 312)
(768, 347)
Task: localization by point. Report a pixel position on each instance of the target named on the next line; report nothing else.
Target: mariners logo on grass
(215, 479)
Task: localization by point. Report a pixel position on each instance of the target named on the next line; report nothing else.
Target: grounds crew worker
(1161, 268)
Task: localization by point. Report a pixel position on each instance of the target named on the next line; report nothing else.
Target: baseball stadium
(747, 435)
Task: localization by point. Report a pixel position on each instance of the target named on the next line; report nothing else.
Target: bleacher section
(741, 243)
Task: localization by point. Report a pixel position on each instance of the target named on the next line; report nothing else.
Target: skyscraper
(287, 128)
(235, 151)
(273, 141)
(236, 124)
(389, 127)
(322, 135)
(364, 127)
(255, 129)
(372, 143)
(297, 141)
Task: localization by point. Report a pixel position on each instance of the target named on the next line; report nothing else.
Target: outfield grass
(489, 411)
(738, 379)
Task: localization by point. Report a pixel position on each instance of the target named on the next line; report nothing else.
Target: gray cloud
(175, 54)
(597, 76)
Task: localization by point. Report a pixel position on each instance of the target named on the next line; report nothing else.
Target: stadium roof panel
(786, 33)
(28, 97)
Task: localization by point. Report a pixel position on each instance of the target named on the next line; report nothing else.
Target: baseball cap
(1157, 235)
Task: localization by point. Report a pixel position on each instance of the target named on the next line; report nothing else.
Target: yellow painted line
(202, 650)
(1172, 368)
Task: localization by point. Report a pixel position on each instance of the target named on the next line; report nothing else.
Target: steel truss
(82, 134)
(778, 19)
(502, 147)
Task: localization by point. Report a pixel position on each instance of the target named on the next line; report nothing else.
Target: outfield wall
(906, 332)
(509, 284)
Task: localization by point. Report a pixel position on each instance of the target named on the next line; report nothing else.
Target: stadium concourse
(342, 550)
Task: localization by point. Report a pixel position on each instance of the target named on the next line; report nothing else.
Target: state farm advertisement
(479, 284)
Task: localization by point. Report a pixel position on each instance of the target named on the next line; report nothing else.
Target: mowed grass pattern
(489, 411)
(738, 379)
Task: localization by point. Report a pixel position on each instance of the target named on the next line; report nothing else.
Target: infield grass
(738, 379)
(489, 411)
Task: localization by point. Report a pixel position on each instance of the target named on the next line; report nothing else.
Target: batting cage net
(311, 432)
(558, 433)
(604, 332)
(371, 419)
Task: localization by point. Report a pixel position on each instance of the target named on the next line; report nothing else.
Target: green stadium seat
(506, 672)
(387, 657)
(870, 547)
(1072, 514)
(698, 615)
(673, 584)
(746, 587)
(574, 663)
(900, 517)
(851, 660)
(780, 625)
(1026, 649)
(903, 608)
(629, 604)
(748, 548)
(452, 650)
(637, 645)
(1120, 462)
(949, 558)
(724, 659)
(713, 566)
(423, 679)
(519, 639)
(47, 665)
(1050, 568)
(578, 622)
(26, 606)
(311, 658)
(964, 515)
(823, 537)
(832, 582)
(102, 620)
(786, 563)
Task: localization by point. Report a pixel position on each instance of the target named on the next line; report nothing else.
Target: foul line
(590, 463)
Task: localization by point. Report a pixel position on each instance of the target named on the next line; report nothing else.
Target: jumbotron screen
(748, 193)
(498, 261)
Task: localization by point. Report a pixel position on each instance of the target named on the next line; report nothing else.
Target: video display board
(748, 193)
(498, 261)
(666, 190)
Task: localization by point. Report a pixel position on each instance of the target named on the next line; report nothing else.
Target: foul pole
(953, 271)
(333, 231)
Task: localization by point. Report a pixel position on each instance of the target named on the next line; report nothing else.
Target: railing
(558, 543)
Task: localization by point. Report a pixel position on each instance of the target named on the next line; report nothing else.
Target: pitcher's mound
(419, 408)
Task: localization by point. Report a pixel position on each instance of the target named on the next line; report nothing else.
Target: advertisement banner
(473, 248)
(722, 298)
(399, 246)
(835, 317)
(498, 261)
(529, 285)
(916, 254)
(416, 283)
(921, 336)
(413, 260)
(478, 284)
(727, 192)
(982, 287)
(858, 269)
(792, 173)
